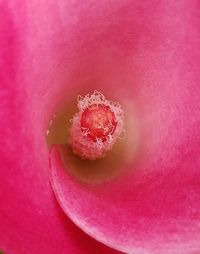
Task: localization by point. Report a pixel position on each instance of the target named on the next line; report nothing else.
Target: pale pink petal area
(147, 54)
(31, 221)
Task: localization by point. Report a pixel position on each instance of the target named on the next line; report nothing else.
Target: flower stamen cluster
(96, 127)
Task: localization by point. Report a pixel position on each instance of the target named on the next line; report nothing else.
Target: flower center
(97, 122)
(96, 127)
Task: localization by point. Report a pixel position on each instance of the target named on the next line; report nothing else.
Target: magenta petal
(156, 208)
(153, 213)
(31, 222)
(144, 50)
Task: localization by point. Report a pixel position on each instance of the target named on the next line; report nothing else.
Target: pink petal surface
(145, 52)
(150, 58)
(31, 221)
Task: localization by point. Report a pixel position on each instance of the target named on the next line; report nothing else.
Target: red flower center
(98, 122)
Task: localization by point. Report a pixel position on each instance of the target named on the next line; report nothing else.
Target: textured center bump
(96, 126)
(98, 121)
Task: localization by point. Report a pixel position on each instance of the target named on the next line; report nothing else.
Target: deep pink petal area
(145, 52)
(156, 208)
(31, 221)
(157, 213)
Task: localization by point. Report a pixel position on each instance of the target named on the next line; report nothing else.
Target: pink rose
(144, 54)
